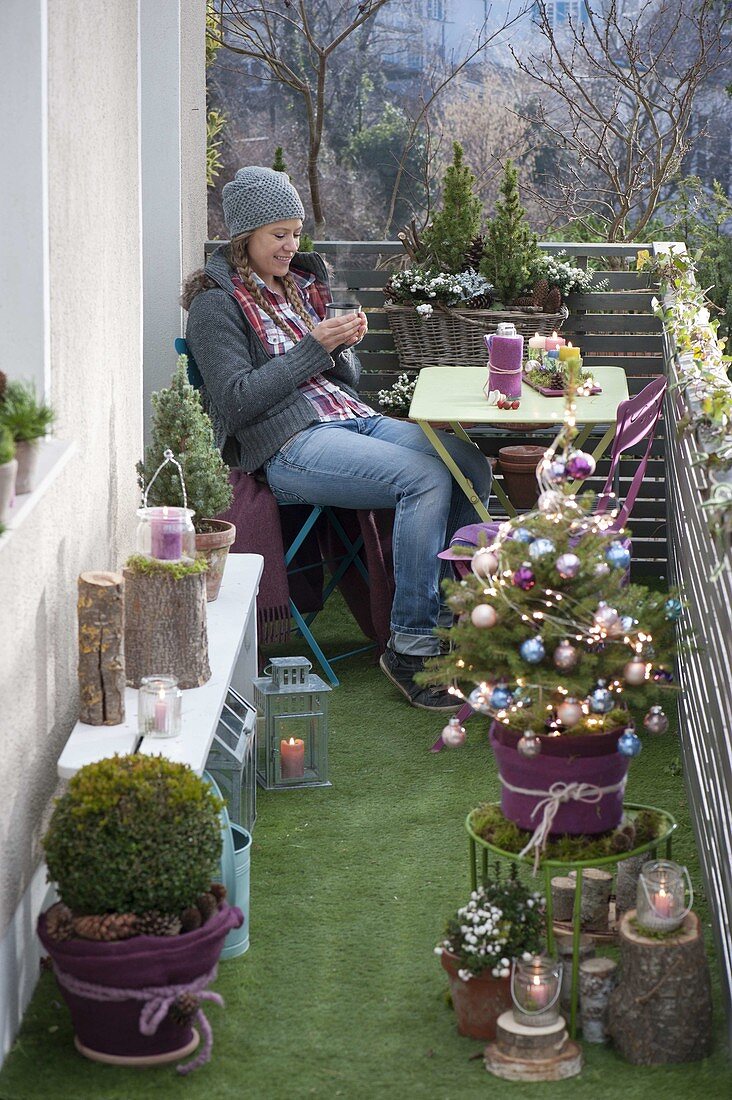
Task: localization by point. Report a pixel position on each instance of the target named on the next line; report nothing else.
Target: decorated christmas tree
(447, 241)
(551, 639)
(181, 425)
(511, 250)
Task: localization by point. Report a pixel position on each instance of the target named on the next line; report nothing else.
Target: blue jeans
(377, 462)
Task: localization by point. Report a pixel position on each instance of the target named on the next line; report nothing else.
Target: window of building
(436, 10)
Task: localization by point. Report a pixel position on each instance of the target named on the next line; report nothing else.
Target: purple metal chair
(636, 419)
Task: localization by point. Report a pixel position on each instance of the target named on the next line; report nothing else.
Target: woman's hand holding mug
(344, 325)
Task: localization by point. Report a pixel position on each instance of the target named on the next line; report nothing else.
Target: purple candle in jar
(166, 536)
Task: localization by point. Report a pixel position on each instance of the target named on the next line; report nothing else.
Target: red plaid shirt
(330, 401)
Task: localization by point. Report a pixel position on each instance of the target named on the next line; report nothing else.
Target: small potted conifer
(28, 419)
(181, 425)
(133, 846)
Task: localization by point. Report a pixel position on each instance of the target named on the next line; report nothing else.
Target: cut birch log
(596, 980)
(100, 609)
(626, 883)
(595, 911)
(165, 627)
(661, 1011)
(563, 941)
(562, 897)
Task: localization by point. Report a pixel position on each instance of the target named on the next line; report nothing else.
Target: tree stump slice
(532, 1054)
(100, 610)
(626, 883)
(562, 897)
(595, 911)
(165, 627)
(661, 1012)
(596, 982)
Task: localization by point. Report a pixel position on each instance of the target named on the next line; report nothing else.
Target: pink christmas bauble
(453, 735)
(634, 672)
(483, 616)
(484, 562)
(569, 712)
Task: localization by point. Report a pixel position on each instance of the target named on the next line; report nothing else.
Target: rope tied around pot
(549, 802)
(157, 1001)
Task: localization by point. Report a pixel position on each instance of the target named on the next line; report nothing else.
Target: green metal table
(552, 867)
(454, 395)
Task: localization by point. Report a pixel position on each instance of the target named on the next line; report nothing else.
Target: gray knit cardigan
(252, 397)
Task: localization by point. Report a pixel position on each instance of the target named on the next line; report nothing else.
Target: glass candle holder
(535, 987)
(159, 706)
(166, 533)
(661, 899)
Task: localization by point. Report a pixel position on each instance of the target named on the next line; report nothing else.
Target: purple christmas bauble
(524, 577)
(568, 566)
(580, 465)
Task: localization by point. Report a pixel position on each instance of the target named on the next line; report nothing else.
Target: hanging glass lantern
(292, 739)
(535, 987)
(661, 899)
(232, 759)
(166, 532)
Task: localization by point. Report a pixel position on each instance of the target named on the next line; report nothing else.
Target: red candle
(292, 758)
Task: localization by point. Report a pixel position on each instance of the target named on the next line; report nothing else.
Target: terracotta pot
(518, 466)
(109, 1031)
(214, 546)
(8, 475)
(592, 759)
(478, 1002)
(26, 453)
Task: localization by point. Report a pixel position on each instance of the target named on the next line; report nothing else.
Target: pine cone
(206, 905)
(183, 1008)
(107, 927)
(155, 923)
(191, 919)
(219, 892)
(557, 381)
(525, 302)
(60, 922)
(480, 301)
(553, 302)
(474, 255)
(541, 291)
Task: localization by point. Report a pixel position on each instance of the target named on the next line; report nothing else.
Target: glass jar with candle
(536, 983)
(166, 533)
(159, 706)
(661, 899)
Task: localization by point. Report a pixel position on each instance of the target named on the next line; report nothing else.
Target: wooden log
(165, 627)
(661, 1011)
(597, 980)
(595, 911)
(562, 897)
(100, 610)
(626, 883)
(563, 941)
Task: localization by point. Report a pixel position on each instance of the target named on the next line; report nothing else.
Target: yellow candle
(568, 352)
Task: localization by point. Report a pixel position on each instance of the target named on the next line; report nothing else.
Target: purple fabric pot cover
(113, 1027)
(538, 774)
(504, 363)
(589, 744)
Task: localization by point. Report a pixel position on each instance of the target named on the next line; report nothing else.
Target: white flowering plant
(424, 286)
(398, 397)
(558, 271)
(501, 921)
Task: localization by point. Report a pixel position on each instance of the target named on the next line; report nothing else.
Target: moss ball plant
(134, 834)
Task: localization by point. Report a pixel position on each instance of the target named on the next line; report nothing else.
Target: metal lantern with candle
(166, 533)
(536, 983)
(661, 900)
(292, 738)
(159, 707)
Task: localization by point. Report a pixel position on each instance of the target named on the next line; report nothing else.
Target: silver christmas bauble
(568, 566)
(529, 744)
(601, 700)
(483, 616)
(484, 562)
(569, 712)
(453, 734)
(540, 547)
(634, 672)
(601, 569)
(656, 721)
(565, 656)
(550, 501)
(480, 698)
(606, 617)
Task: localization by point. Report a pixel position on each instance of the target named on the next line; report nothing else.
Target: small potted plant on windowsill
(8, 470)
(181, 425)
(28, 420)
(501, 920)
(133, 846)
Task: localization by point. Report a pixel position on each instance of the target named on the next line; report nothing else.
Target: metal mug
(340, 309)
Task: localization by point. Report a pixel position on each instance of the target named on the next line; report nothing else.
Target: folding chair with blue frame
(338, 566)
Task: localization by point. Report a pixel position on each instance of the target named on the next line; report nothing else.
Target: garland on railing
(702, 377)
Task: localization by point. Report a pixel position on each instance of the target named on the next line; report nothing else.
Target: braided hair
(239, 259)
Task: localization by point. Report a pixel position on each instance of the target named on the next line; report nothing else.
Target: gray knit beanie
(258, 196)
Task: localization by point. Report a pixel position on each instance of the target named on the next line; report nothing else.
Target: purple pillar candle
(166, 534)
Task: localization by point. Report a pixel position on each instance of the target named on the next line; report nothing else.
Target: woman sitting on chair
(280, 385)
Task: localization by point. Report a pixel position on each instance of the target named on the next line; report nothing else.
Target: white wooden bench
(232, 643)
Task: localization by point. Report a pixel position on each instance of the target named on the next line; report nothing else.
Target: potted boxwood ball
(500, 921)
(28, 419)
(133, 846)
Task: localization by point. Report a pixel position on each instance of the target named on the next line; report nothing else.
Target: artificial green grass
(340, 994)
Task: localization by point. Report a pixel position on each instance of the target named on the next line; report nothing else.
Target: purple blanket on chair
(263, 528)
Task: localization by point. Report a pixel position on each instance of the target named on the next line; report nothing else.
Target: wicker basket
(454, 338)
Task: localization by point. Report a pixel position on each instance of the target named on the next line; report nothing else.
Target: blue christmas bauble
(521, 534)
(601, 700)
(540, 547)
(557, 471)
(629, 743)
(618, 555)
(532, 650)
(501, 697)
(627, 622)
(672, 609)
